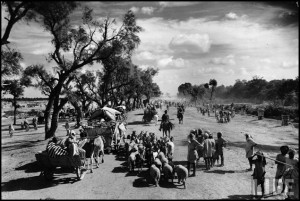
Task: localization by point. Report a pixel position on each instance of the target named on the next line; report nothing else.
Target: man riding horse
(164, 119)
(180, 114)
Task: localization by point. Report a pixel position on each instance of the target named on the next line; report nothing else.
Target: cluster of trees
(197, 93)
(93, 41)
(283, 92)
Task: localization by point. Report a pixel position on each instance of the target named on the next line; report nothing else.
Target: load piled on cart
(104, 122)
(61, 156)
(149, 113)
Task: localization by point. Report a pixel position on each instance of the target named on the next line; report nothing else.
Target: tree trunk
(134, 102)
(79, 112)
(47, 116)
(54, 124)
(15, 110)
(128, 101)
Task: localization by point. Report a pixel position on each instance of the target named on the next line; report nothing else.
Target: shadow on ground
(140, 183)
(23, 144)
(30, 167)
(184, 163)
(240, 197)
(34, 183)
(136, 123)
(120, 169)
(220, 171)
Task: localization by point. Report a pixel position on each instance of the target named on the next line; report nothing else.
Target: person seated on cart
(164, 119)
(83, 138)
(81, 142)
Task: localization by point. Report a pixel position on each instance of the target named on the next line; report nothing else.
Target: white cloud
(144, 67)
(195, 43)
(171, 63)
(145, 55)
(165, 4)
(245, 57)
(231, 16)
(23, 65)
(265, 61)
(228, 60)
(147, 10)
(134, 9)
(214, 70)
(241, 71)
(288, 65)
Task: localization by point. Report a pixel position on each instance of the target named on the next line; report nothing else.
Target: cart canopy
(105, 113)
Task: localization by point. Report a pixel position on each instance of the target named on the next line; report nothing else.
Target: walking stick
(274, 160)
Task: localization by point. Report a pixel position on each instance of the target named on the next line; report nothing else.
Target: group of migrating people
(24, 125)
(202, 144)
(287, 168)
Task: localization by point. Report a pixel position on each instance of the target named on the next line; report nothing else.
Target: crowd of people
(24, 125)
(287, 168)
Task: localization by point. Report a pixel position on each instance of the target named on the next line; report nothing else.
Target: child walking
(259, 172)
(11, 130)
(280, 166)
(220, 144)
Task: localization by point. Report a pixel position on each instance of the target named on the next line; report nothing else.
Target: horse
(166, 128)
(180, 117)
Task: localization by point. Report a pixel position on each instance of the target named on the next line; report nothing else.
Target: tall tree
(17, 10)
(84, 43)
(213, 83)
(184, 90)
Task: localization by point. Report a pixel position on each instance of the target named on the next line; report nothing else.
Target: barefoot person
(259, 172)
(11, 129)
(67, 126)
(208, 150)
(290, 176)
(280, 166)
(250, 144)
(220, 144)
(192, 153)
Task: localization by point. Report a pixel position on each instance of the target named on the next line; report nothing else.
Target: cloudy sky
(193, 41)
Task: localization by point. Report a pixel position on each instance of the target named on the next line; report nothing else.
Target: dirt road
(21, 180)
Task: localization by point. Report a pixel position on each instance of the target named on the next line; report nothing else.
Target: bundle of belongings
(63, 147)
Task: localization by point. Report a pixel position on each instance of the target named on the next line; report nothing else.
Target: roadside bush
(276, 112)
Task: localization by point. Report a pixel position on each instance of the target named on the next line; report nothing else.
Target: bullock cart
(59, 164)
(149, 114)
(103, 129)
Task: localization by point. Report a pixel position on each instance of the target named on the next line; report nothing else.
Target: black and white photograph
(150, 100)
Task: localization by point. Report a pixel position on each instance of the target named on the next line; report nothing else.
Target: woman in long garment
(209, 148)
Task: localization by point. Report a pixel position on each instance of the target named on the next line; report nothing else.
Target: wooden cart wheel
(48, 174)
(78, 172)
